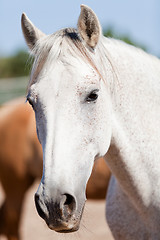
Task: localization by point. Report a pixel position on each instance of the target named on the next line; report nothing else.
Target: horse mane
(51, 48)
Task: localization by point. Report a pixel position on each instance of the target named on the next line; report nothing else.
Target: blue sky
(140, 19)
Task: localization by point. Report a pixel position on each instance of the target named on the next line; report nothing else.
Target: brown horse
(21, 164)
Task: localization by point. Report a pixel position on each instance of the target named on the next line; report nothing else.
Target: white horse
(93, 97)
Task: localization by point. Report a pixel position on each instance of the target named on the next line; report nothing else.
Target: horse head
(71, 100)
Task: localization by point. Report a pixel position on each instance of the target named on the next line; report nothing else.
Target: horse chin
(65, 227)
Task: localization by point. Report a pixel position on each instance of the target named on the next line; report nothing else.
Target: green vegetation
(15, 66)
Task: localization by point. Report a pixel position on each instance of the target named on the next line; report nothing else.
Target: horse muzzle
(61, 215)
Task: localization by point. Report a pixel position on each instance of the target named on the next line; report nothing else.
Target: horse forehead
(63, 76)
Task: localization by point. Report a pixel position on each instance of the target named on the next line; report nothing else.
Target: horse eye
(92, 96)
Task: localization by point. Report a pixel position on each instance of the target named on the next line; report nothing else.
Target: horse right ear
(30, 32)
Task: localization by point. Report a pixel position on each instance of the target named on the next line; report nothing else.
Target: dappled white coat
(133, 201)
(122, 123)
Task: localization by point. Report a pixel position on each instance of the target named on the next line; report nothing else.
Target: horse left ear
(88, 26)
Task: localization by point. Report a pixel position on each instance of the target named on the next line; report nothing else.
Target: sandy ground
(93, 224)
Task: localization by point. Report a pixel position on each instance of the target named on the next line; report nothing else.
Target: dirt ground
(93, 224)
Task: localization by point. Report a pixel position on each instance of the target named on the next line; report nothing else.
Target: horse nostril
(69, 205)
(38, 207)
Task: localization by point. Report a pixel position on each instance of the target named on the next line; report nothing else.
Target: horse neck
(134, 88)
(132, 153)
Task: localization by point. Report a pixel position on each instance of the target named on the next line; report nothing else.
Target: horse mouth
(68, 230)
(65, 228)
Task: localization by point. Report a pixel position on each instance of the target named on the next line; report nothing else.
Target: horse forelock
(51, 48)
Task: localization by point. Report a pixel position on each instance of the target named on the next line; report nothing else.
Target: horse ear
(30, 32)
(88, 26)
